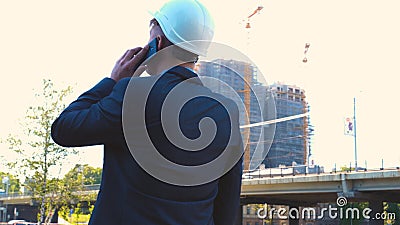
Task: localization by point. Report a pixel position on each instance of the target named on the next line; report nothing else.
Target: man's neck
(188, 65)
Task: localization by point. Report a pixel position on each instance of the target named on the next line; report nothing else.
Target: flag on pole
(349, 126)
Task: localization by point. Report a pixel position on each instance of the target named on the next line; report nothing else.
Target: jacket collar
(185, 73)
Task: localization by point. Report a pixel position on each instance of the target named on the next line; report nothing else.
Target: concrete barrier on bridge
(359, 186)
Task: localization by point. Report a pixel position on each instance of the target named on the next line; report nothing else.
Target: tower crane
(246, 91)
(257, 11)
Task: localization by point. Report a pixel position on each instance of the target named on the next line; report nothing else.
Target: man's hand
(128, 63)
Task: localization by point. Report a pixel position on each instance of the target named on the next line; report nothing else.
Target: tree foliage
(78, 179)
(38, 153)
(348, 218)
(14, 185)
(85, 174)
(394, 209)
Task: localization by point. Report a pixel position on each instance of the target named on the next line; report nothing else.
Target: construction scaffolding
(292, 138)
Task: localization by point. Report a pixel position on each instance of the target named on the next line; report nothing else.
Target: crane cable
(279, 120)
(305, 52)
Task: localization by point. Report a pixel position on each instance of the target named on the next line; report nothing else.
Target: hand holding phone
(152, 48)
(129, 63)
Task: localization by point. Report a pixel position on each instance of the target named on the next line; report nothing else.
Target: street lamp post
(355, 136)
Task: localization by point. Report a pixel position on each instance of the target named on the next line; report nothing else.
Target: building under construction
(233, 74)
(290, 141)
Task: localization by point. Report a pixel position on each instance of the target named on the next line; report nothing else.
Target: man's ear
(160, 42)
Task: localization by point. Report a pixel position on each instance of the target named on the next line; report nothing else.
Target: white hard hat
(187, 24)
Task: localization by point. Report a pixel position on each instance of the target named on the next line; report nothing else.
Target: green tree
(266, 209)
(37, 151)
(91, 175)
(80, 200)
(393, 209)
(348, 216)
(346, 169)
(13, 183)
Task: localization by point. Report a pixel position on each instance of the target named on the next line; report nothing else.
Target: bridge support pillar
(377, 209)
(294, 221)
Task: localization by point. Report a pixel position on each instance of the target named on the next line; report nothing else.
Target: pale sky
(354, 52)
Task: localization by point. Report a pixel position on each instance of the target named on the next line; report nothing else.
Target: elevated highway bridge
(297, 190)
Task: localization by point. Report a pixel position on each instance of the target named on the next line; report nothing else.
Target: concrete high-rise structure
(290, 140)
(232, 73)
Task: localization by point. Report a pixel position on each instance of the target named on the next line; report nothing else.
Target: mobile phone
(152, 48)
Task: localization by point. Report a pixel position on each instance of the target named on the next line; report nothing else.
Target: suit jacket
(130, 195)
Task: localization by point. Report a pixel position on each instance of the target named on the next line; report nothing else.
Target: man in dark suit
(136, 192)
